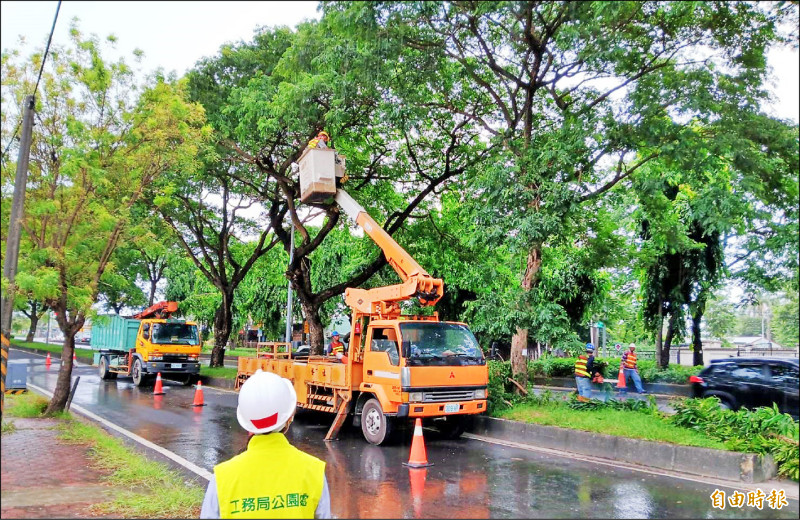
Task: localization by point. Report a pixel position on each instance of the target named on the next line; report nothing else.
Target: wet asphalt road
(469, 479)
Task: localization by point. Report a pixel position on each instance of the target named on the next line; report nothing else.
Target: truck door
(382, 361)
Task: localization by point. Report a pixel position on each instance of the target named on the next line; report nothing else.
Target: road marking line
(623, 465)
(141, 440)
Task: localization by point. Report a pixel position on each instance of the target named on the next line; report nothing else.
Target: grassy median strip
(53, 347)
(622, 423)
(223, 372)
(147, 489)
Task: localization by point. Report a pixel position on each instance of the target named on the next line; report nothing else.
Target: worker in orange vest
(630, 369)
(584, 367)
(336, 348)
(272, 478)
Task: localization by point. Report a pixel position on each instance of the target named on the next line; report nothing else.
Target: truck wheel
(139, 377)
(375, 426)
(452, 427)
(105, 374)
(188, 380)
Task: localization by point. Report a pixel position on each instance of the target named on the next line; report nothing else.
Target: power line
(47, 49)
(41, 69)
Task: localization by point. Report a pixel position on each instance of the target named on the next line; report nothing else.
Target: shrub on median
(763, 430)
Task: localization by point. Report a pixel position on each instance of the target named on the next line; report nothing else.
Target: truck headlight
(480, 394)
(415, 397)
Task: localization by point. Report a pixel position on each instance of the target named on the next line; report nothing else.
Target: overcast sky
(174, 35)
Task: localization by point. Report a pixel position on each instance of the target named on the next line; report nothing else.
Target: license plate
(451, 407)
(176, 365)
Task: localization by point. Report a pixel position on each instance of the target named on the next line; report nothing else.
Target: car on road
(750, 383)
(83, 337)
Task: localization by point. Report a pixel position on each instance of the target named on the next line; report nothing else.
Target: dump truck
(146, 344)
(397, 367)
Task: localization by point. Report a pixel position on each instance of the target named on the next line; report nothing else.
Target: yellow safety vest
(630, 360)
(272, 479)
(580, 367)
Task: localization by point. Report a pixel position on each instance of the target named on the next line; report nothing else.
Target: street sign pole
(289, 292)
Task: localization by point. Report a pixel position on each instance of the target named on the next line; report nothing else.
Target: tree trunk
(152, 292)
(519, 342)
(660, 334)
(673, 320)
(34, 323)
(64, 382)
(697, 343)
(316, 331)
(223, 320)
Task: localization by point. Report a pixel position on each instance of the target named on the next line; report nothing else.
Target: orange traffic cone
(621, 378)
(159, 389)
(198, 395)
(47, 361)
(417, 477)
(74, 357)
(418, 457)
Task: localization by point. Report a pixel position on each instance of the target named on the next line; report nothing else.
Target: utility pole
(17, 205)
(289, 292)
(12, 244)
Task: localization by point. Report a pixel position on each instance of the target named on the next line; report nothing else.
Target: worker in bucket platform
(321, 141)
(272, 478)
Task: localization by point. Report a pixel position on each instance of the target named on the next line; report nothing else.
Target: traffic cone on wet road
(74, 357)
(417, 477)
(621, 378)
(47, 361)
(198, 395)
(418, 457)
(159, 389)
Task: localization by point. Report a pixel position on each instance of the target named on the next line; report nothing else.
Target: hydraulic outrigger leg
(341, 415)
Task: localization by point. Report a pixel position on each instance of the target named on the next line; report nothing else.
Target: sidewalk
(42, 477)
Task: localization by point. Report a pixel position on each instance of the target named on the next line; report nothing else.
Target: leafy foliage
(763, 430)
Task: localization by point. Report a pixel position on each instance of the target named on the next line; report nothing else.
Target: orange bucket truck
(397, 367)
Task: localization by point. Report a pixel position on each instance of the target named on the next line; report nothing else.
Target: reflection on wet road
(469, 479)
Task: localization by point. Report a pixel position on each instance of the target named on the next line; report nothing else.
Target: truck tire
(453, 426)
(105, 374)
(137, 372)
(375, 426)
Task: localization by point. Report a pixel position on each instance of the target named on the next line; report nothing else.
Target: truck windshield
(175, 334)
(439, 344)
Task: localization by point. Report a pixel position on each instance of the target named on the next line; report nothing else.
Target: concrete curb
(218, 382)
(653, 388)
(727, 465)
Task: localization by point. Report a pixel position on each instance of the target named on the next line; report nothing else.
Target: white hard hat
(632, 345)
(266, 402)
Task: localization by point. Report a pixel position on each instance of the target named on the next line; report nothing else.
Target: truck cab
(146, 344)
(418, 366)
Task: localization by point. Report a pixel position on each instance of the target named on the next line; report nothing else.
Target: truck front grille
(174, 358)
(447, 395)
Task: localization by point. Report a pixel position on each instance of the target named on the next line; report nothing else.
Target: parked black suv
(750, 382)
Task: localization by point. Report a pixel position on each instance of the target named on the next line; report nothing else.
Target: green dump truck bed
(113, 332)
